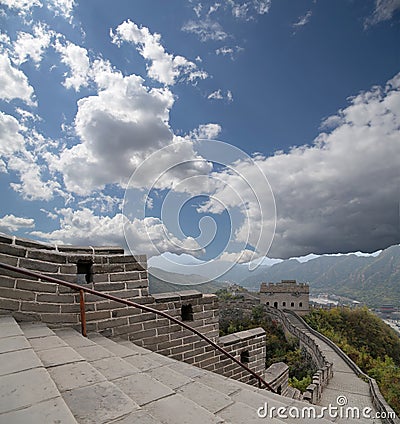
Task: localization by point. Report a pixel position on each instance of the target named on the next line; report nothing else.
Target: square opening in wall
(84, 272)
(187, 312)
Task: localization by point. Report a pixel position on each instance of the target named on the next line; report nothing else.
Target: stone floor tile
(50, 411)
(98, 404)
(26, 388)
(177, 409)
(210, 399)
(114, 367)
(47, 342)
(77, 374)
(59, 356)
(19, 360)
(142, 388)
(9, 344)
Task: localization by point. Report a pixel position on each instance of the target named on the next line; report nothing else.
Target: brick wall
(107, 269)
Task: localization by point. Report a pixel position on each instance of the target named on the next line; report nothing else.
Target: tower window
(187, 312)
(84, 272)
(300, 304)
(292, 304)
(283, 303)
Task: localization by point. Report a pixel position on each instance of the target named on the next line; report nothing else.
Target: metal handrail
(83, 290)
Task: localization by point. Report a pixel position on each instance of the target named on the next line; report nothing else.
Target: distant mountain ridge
(373, 280)
(163, 282)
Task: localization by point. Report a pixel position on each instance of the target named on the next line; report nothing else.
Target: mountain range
(374, 280)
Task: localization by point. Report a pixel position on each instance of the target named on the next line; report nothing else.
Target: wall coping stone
(181, 295)
(275, 371)
(241, 335)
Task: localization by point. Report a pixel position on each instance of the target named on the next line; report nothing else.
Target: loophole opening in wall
(84, 272)
(245, 357)
(187, 312)
(275, 304)
(292, 304)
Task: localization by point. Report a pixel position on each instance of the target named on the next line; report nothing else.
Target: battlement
(285, 286)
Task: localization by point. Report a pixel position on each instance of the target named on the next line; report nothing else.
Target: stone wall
(108, 270)
(324, 373)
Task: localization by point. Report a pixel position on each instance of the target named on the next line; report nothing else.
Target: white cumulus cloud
(340, 193)
(14, 83)
(11, 223)
(164, 67)
(83, 227)
(77, 60)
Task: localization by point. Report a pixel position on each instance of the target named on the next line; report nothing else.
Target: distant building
(286, 295)
(387, 310)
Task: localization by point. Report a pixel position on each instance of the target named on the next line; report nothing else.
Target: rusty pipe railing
(83, 290)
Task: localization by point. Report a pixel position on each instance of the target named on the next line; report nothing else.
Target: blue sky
(308, 91)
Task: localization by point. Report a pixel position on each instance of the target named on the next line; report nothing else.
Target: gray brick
(7, 281)
(31, 243)
(109, 304)
(121, 259)
(100, 278)
(108, 250)
(9, 305)
(12, 250)
(169, 345)
(98, 315)
(36, 286)
(124, 276)
(74, 258)
(39, 307)
(145, 316)
(60, 318)
(124, 312)
(107, 268)
(109, 286)
(123, 329)
(47, 256)
(136, 284)
(38, 265)
(5, 239)
(135, 266)
(143, 334)
(16, 294)
(9, 260)
(111, 323)
(67, 269)
(57, 298)
(75, 307)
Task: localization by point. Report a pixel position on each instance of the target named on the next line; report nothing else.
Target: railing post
(83, 313)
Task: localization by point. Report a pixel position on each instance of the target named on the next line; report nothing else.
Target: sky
(226, 131)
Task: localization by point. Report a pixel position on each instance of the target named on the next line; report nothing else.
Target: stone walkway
(345, 386)
(58, 376)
